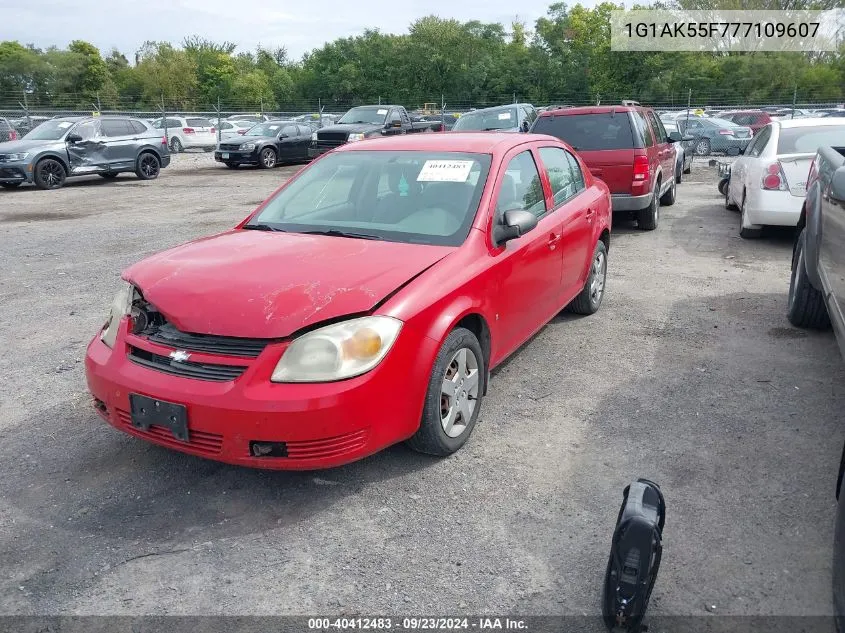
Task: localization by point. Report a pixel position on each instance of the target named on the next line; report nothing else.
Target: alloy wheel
(597, 277)
(149, 166)
(459, 393)
(52, 173)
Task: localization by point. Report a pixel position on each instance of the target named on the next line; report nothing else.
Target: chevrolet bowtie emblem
(180, 356)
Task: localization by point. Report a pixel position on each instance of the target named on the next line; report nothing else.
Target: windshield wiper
(337, 233)
(262, 227)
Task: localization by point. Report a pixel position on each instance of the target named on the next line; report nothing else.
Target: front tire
(268, 158)
(453, 400)
(730, 206)
(589, 300)
(806, 307)
(49, 174)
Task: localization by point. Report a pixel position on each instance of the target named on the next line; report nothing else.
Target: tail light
(213, 130)
(241, 131)
(13, 135)
(774, 179)
(164, 140)
(641, 171)
(188, 130)
(726, 132)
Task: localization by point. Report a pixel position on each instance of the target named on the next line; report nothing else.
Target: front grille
(335, 138)
(224, 345)
(230, 148)
(10, 173)
(200, 441)
(186, 369)
(327, 447)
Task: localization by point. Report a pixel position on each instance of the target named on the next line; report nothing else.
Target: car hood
(350, 128)
(258, 284)
(13, 147)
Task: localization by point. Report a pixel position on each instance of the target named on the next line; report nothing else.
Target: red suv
(627, 147)
(755, 119)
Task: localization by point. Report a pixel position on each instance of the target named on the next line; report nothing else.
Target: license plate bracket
(146, 411)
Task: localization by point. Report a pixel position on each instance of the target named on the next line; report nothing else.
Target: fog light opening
(268, 449)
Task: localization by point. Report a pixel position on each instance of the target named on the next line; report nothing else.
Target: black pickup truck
(366, 122)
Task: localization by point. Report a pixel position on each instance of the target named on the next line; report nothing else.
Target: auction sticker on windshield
(381, 111)
(445, 171)
(504, 115)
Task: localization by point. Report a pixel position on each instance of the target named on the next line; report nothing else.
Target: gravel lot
(689, 375)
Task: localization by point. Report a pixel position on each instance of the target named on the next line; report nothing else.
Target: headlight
(338, 351)
(247, 146)
(313, 136)
(21, 156)
(356, 137)
(121, 306)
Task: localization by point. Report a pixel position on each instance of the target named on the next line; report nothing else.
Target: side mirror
(688, 138)
(73, 138)
(515, 223)
(837, 185)
(525, 126)
(675, 137)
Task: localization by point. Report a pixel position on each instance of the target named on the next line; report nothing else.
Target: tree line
(564, 58)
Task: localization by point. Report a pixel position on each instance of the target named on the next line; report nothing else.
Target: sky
(298, 26)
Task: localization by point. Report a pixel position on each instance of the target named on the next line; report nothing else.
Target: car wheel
(668, 198)
(730, 206)
(702, 147)
(10, 185)
(723, 185)
(49, 174)
(678, 176)
(749, 232)
(688, 170)
(268, 158)
(806, 307)
(453, 400)
(589, 300)
(109, 176)
(648, 218)
(148, 166)
(231, 165)
(176, 145)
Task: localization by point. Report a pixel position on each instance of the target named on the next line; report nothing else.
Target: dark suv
(82, 146)
(627, 147)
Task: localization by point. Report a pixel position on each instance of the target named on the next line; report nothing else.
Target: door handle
(554, 238)
(590, 214)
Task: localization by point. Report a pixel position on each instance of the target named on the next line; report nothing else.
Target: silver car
(78, 146)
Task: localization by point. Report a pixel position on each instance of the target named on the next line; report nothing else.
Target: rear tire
(806, 307)
(589, 299)
(678, 175)
(702, 147)
(648, 218)
(148, 166)
(432, 438)
(49, 174)
(668, 198)
(749, 233)
(730, 206)
(176, 145)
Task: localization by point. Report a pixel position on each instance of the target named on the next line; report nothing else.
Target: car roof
(591, 110)
(468, 142)
(790, 123)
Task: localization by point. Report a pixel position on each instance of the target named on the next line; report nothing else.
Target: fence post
(794, 99)
(164, 118)
(218, 119)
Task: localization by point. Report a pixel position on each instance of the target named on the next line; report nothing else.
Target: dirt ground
(689, 375)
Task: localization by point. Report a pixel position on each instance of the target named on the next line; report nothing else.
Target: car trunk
(796, 167)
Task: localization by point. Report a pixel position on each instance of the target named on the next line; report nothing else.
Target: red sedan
(364, 303)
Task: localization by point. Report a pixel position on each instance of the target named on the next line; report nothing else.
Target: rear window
(806, 140)
(137, 126)
(199, 123)
(589, 131)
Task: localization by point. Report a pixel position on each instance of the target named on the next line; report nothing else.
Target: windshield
(807, 140)
(415, 197)
(50, 131)
(500, 119)
(265, 129)
(372, 115)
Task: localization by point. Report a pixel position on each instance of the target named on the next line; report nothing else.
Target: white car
(768, 181)
(188, 133)
(228, 129)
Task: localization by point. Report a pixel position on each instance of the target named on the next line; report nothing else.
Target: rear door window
(304, 130)
(563, 181)
(658, 128)
(116, 127)
(759, 143)
(290, 131)
(644, 128)
(138, 127)
(587, 132)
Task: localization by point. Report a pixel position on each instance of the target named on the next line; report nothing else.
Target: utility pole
(218, 119)
(442, 113)
(164, 118)
(794, 99)
(320, 109)
(689, 104)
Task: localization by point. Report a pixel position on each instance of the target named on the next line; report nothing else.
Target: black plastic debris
(634, 557)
